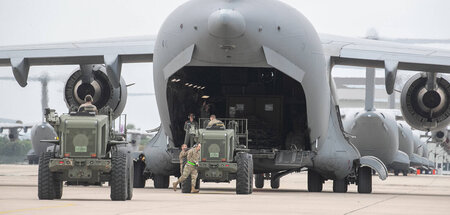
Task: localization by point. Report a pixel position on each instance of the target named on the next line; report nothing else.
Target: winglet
(113, 68)
(390, 69)
(20, 67)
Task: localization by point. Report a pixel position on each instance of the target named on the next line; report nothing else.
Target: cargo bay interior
(273, 103)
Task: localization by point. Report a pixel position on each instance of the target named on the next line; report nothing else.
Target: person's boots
(175, 184)
(193, 190)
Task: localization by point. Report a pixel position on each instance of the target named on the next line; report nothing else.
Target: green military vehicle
(84, 153)
(224, 155)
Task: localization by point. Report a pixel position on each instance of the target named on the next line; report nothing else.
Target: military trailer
(85, 152)
(224, 155)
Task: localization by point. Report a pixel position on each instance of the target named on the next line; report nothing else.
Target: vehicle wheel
(275, 184)
(139, 179)
(259, 180)
(186, 185)
(130, 179)
(315, 181)
(46, 183)
(161, 181)
(396, 172)
(340, 186)
(58, 186)
(405, 173)
(244, 175)
(364, 180)
(119, 176)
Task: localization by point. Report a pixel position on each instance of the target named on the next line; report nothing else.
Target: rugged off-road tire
(46, 183)
(118, 179)
(186, 185)
(315, 181)
(58, 186)
(244, 175)
(259, 180)
(139, 179)
(130, 179)
(340, 186)
(364, 180)
(161, 181)
(274, 183)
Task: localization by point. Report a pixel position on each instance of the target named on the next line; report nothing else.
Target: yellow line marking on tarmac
(36, 209)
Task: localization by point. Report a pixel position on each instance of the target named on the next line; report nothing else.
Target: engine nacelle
(439, 136)
(426, 109)
(100, 88)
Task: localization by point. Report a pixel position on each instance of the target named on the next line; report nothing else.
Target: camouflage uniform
(193, 156)
(191, 130)
(213, 122)
(183, 160)
(88, 107)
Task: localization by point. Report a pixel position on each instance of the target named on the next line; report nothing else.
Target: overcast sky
(50, 21)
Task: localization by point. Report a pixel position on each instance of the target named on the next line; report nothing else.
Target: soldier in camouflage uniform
(183, 155)
(191, 128)
(193, 156)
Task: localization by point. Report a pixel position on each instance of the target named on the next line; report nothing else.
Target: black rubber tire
(161, 181)
(405, 173)
(46, 183)
(186, 185)
(364, 180)
(274, 184)
(259, 180)
(244, 175)
(396, 172)
(130, 179)
(118, 179)
(58, 186)
(139, 179)
(315, 181)
(340, 186)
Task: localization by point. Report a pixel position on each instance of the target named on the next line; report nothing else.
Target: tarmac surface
(422, 194)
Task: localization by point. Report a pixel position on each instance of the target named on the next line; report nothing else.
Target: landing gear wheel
(130, 179)
(161, 181)
(46, 182)
(340, 186)
(315, 181)
(364, 180)
(118, 181)
(139, 179)
(259, 180)
(274, 183)
(244, 175)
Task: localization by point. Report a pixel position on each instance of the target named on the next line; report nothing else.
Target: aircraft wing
(382, 54)
(111, 52)
(13, 125)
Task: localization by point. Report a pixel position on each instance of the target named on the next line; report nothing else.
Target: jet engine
(439, 136)
(424, 108)
(96, 83)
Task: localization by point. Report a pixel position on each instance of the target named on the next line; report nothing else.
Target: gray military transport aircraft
(376, 132)
(263, 58)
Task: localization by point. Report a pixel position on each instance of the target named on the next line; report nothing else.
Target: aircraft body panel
(376, 134)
